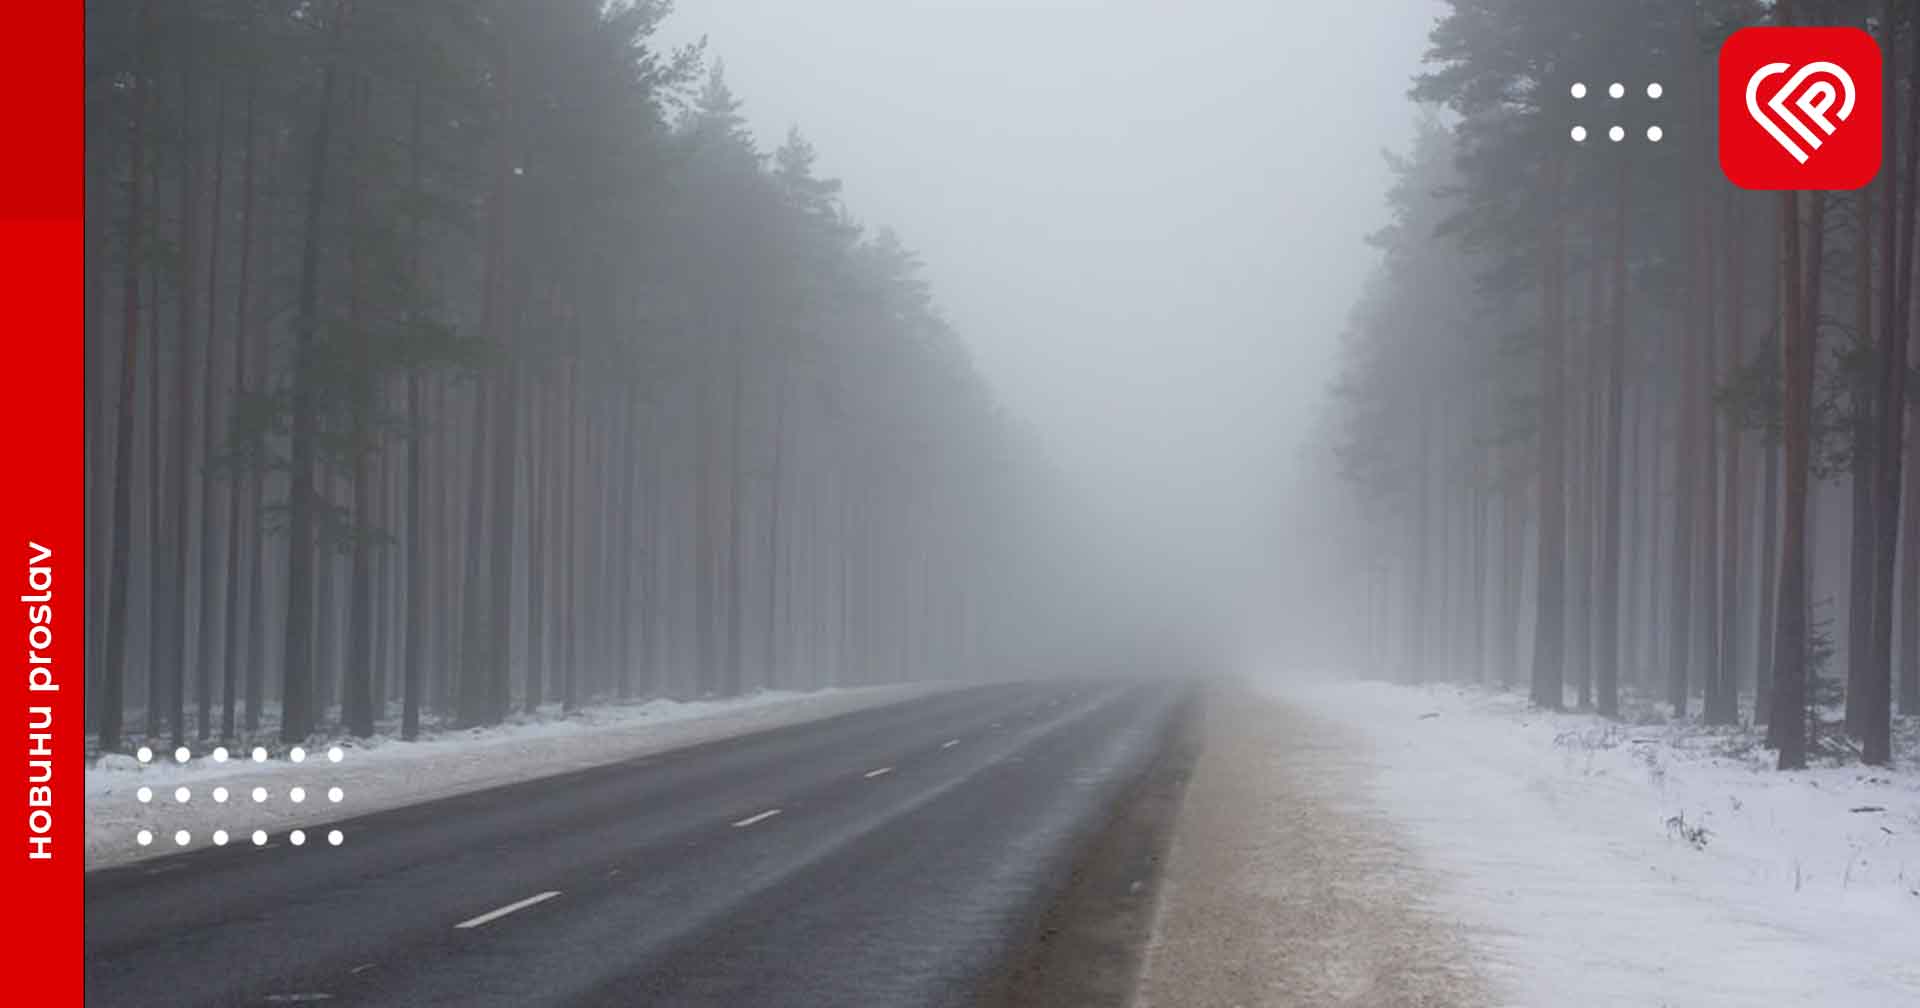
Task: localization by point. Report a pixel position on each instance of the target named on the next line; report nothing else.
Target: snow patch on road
(1596, 863)
(382, 773)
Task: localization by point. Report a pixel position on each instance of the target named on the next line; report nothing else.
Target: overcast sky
(1146, 216)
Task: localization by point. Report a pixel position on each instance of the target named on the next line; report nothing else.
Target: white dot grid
(220, 837)
(1617, 90)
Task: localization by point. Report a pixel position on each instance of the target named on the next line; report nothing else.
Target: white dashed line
(494, 915)
(762, 817)
(880, 772)
(950, 743)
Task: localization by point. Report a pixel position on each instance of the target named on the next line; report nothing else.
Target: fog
(1149, 227)
(803, 486)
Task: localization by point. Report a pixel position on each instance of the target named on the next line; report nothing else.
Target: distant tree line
(451, 357)
(1596, 392)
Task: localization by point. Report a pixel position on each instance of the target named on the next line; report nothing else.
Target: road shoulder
(1284, 887)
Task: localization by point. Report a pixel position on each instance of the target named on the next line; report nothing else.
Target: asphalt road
(895, 856)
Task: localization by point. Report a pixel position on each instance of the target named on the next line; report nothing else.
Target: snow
(382, 773)
(1560, 842)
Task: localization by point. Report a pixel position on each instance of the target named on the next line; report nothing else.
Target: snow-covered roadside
(383, 773)
(1568, 847)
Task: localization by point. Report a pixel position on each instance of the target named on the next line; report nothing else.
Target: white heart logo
(1813, 100)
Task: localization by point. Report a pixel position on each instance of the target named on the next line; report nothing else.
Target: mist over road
(896, 856)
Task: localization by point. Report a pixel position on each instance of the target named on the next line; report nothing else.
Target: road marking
(880, 772)
(362, 968)
(950, 743)
(494, 915)
(750, 820)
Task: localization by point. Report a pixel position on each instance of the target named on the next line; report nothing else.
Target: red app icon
(1800, 108)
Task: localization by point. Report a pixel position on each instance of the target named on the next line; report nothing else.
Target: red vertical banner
(42, 377)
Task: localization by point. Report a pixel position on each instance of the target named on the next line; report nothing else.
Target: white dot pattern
(1617, 90)
(259, 754)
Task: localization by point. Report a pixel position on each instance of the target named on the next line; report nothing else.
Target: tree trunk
(244, 471)
(1788, 724)
(414, 640)
(1876, 744)
(209, 542)
(1714, 706)
(357, 691)
(567, 622)
(1723, 704)
(186, 296)
(538, 505)
(774, 501)
(1612, 488)
(113, 681)
(467, 684)
(1550, 611)
(1910, 571)
(1686, 594)
(736, 537)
